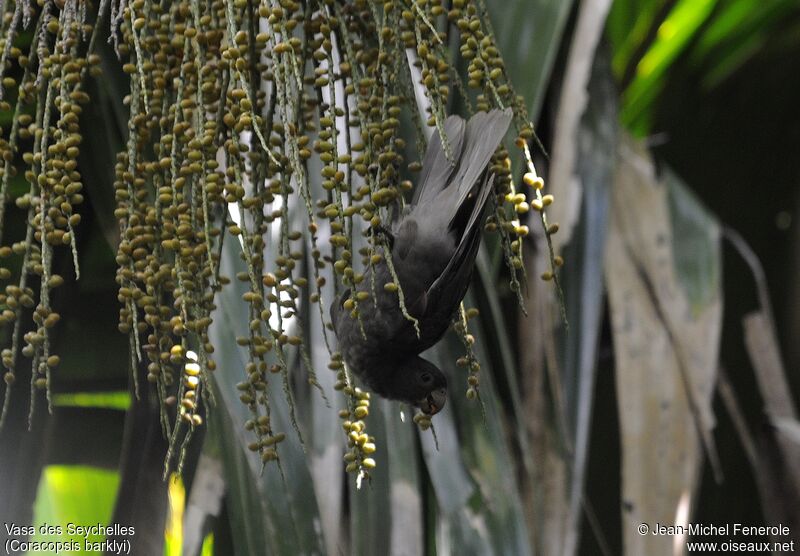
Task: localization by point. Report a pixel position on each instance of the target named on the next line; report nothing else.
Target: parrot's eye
(426, 378)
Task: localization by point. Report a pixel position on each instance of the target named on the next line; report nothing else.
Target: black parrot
(433, 246)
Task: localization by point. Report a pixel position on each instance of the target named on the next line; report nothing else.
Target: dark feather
(436, 168)
(434, 245)
(484, 132)
(451, 286)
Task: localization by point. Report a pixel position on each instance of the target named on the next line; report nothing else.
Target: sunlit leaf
(73, 494)
(173, 541)
(629, 24)
(673, 37)
(109, 400)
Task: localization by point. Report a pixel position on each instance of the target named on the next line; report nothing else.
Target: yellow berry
(529, 178)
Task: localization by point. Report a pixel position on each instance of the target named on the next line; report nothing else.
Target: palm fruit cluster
(274, 125)
(45, 55)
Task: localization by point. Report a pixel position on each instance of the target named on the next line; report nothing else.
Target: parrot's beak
(433, 402)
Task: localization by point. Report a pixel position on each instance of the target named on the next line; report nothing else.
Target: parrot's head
(415, 381)
(427, 388)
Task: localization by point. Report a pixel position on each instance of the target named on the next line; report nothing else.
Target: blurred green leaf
(714, 38)
(110, 400)
(629, 24)
(738, 30)
(208, 545)
(674, 35)
(74, 494)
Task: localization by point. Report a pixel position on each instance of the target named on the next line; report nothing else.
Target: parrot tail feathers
(437, 169)
(485, 131)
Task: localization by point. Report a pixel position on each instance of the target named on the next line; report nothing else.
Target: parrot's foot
(382, 232)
